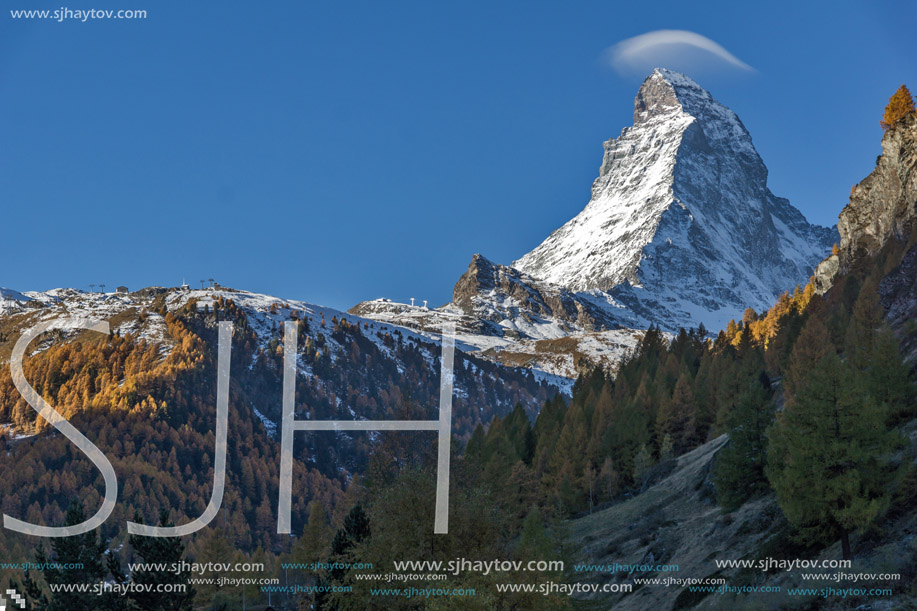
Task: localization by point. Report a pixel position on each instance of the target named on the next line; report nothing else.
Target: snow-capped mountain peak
(681, 226)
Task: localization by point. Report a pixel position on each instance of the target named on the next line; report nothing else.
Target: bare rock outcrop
(882, 206)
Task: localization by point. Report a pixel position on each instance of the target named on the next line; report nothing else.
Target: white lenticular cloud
(677, 49)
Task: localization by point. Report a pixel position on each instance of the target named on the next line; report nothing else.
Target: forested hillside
(815, 398)
(801, 420)
(147, 400)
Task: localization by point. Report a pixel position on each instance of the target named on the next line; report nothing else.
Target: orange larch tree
(899, 106)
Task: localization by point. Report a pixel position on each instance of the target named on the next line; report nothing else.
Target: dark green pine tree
(546, 431)
(628, 432)
(867, 317)
(519, 431)
(499, 453)
(887, 379)
(871, 348)
(535, 541)
(474, 449)
(739, 470)
(828, 455)
(676, 417)
(354, 530)
(85, 551)
(166, 552)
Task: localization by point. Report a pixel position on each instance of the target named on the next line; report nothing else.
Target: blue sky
(335, 152)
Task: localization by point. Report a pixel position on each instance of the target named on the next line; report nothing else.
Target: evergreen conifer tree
(676, 417)
(828, 455)
(314, 540)
(642, 463)
(739, 470)
(165, 552)
(84, 551)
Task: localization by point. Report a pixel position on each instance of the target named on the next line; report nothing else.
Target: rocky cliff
(882, 205)
(516, 303)
(681, 229)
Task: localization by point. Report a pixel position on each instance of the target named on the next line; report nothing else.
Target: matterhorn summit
(681, 227)
(680, 230)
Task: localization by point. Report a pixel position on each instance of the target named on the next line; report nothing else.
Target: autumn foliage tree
(899, 106)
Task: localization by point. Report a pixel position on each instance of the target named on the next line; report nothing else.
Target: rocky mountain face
(513, 302)
(510, 318)
(680, 230)
(882, 205)
(499, 301)
(681, 227)
(883, 211)
(675, 520)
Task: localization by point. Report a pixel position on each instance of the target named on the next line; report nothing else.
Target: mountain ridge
(680, 231)
(681, 226)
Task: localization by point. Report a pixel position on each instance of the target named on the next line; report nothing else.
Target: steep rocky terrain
(510, 301)
(881, 207)
(681, 226)
(676, 521)
(680, 230)
(511, 318)
(882, 216)
(499, 301)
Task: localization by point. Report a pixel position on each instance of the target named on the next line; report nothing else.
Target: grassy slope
(676, 521)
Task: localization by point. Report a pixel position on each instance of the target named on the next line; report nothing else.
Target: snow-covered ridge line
(265, 315)
(680, 230)
(681, 227)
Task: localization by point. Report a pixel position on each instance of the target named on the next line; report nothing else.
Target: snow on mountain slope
(265, 314)
(681, 227)
(9, 297)
(568, 356)
(680, 230)
(516, 320)
(511, 303)
(141, 314)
